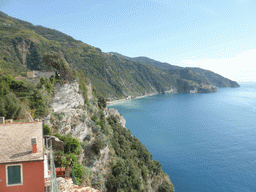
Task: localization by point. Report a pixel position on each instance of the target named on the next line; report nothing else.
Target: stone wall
(2, 120)
(34, 74)
(57, 145)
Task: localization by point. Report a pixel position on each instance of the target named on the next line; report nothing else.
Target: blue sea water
(205, 142)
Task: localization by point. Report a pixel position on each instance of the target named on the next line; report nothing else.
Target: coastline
(109, 103)
(202, 89)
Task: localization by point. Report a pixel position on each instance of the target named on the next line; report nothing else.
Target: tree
(3, 111)
(102, 102)
(71, 144)
(166, 187)
(98, 145)
(59, 63)
(10, 106)
(46, 130)
(33, 58)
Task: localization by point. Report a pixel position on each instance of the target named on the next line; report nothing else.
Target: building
(34, 74)
(21, 157)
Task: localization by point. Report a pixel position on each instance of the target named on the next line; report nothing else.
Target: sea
(204, 141)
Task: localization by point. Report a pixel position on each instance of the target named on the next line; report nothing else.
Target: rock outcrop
(66, 185)
(67, 97)
(70, 116)
(115, 112)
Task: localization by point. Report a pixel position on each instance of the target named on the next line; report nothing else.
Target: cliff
(70, 115)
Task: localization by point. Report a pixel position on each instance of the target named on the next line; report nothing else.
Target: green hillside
(24, 45)
(200, 75)
(157, 64)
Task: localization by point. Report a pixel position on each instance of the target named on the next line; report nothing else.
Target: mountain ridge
(167, 66)
(153, 62)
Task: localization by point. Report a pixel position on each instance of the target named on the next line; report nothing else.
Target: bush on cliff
(46, 130)
(134, 163)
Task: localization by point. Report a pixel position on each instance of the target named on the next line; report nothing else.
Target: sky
(217, 35)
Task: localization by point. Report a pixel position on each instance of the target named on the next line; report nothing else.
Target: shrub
(78, 170)
(10, 106)
(46, 130)
(88, 137)
(94, 118)
(97, 145)
(96, 128)
(71, 144)
(86, 172)
(101, 102)
(59, 159)
(166, 187)
(63, 160)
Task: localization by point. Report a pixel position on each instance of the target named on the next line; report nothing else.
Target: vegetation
(72, 148)
(82, 84)
(101, 102)
(131, 167)
(46, 130)
(112, 75)
(97, 145)
(18, 96)
(57, 62)
(71, 144)
(134, 163)
(166, 186)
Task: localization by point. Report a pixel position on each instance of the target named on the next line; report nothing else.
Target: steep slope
(200, 75)
(157, 64)
(102, 152)
(23, 45)
(214, 78)
(117, 160)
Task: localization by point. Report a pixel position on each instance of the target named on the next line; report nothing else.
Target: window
(14, 174)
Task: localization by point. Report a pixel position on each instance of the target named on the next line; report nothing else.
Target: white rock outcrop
(66, 185)
(68, 104)
(67, 97)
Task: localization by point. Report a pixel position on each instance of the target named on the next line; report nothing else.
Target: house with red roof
(21, 157)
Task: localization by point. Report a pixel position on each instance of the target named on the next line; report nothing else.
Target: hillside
(103, 153)
(205, 76)
(24, 45)
(152, 62)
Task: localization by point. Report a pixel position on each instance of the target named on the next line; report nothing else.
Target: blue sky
(219, 35)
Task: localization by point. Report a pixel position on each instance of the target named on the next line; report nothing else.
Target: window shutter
(14, 175)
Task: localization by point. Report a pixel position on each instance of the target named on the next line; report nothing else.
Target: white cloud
(241, 67)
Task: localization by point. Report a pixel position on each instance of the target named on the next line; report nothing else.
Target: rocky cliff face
(70, 116)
